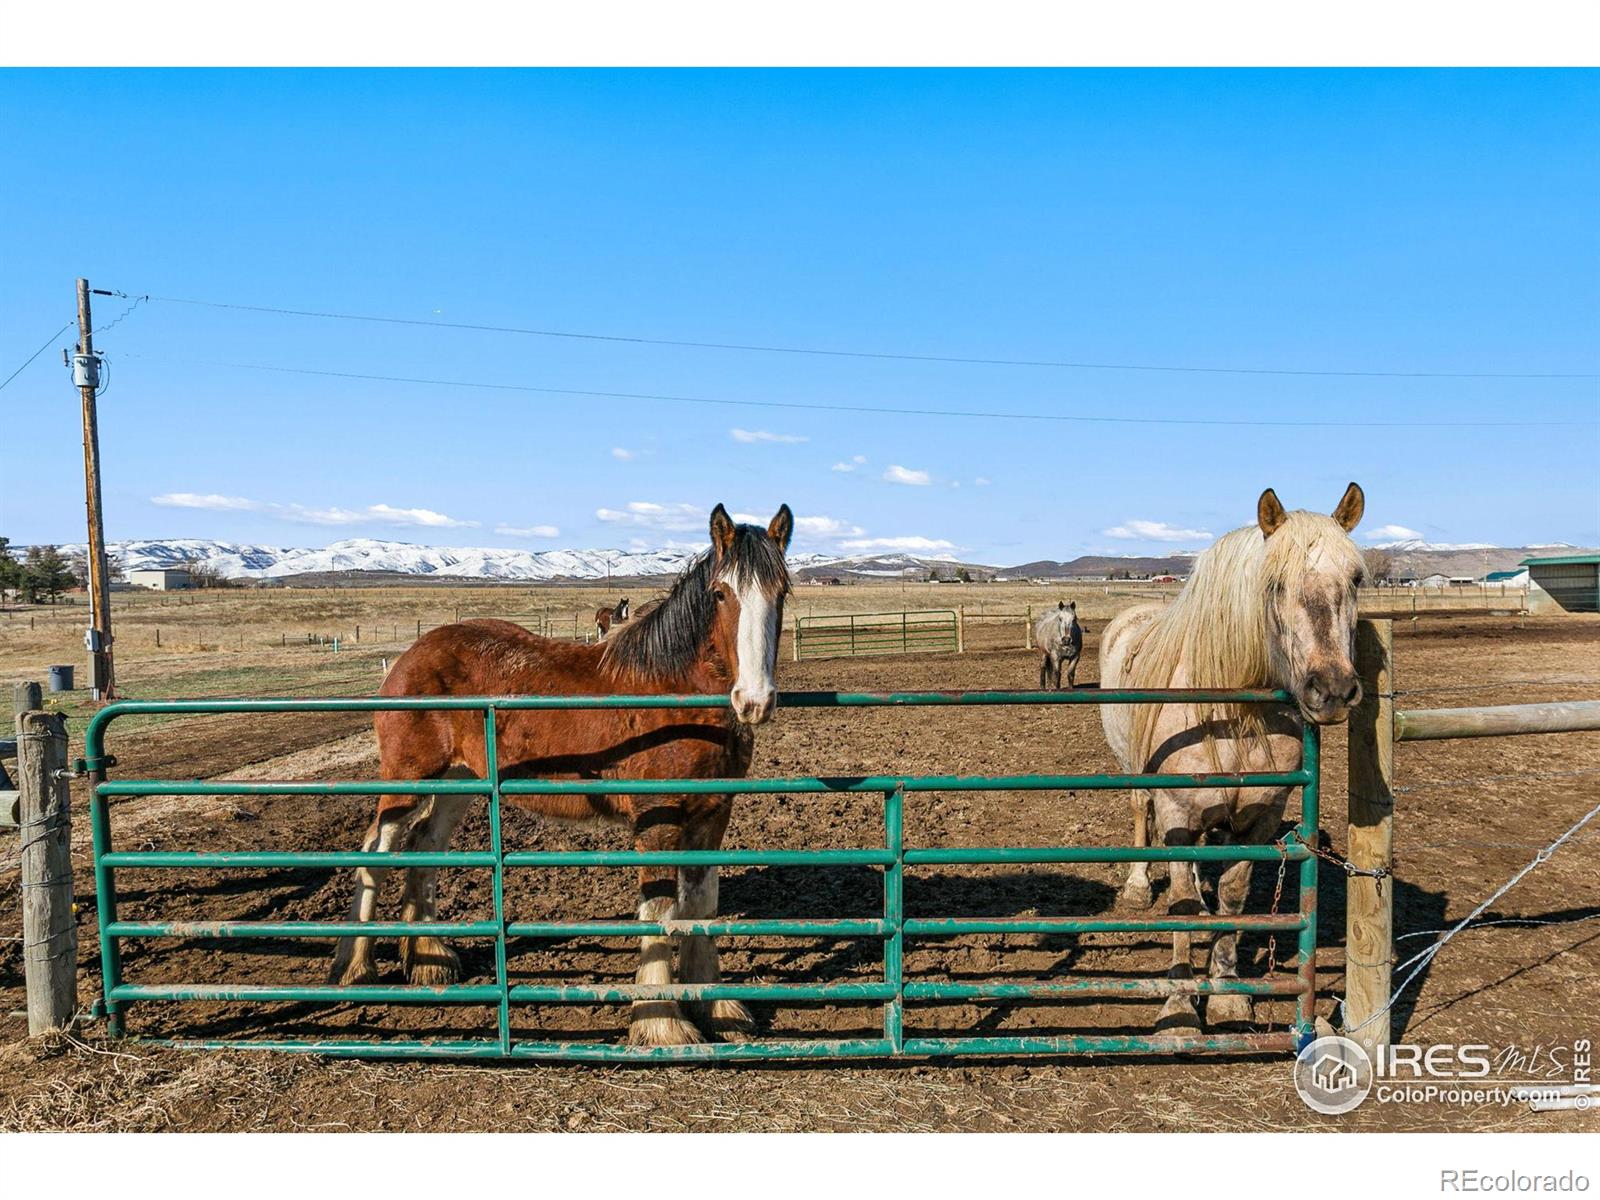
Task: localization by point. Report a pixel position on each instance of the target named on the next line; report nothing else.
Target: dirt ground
(1469, 814)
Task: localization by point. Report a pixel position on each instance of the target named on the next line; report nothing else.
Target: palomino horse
(605, 618)
(1060, 640)
(1272, 605)
(716, 632)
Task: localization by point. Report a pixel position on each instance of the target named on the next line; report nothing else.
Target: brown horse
(605, 618)
(716, 632)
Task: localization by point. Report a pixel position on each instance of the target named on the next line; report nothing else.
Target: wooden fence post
(49, 933)
(1369, 902)
(961, 629)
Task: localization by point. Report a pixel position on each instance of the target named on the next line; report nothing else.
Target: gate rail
(893, 991)
(847, 634)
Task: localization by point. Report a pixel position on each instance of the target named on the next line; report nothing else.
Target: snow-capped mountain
(249, 561)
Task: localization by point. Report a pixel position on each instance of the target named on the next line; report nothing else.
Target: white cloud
(1391, 533)
(856, 460)
(749, 436)
(912, 543)
(623, 453)
(207, 501)
(527, 531)
(826, 527)
(1156, 531)
(899, 474)
(372, 514)
(980, 481)
(649, 515)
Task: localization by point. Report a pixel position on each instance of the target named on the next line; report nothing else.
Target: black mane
(665, 643)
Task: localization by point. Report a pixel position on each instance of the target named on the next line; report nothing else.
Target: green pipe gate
(894, 928)
(847, 634)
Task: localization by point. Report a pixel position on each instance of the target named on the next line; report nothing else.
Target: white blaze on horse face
(755, 691)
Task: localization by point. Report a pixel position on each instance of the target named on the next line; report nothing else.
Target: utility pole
(86, 375)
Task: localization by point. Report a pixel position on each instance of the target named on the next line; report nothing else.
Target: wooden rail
(1432, 724)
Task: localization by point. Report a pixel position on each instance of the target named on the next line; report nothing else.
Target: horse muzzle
(1329, 695)
(752, 707)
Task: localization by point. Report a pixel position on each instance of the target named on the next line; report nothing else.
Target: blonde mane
(1215, 632)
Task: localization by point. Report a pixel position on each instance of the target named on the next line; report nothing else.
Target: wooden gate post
(49, 933)
(1369, 902)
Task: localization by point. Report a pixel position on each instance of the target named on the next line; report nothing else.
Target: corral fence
(937, 631)
(1375, 727)
(893, 991)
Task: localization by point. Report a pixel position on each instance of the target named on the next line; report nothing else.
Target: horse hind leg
(1136, 892)
(352, 960)
(1183, 900)
(1233, 888)
(429, 961)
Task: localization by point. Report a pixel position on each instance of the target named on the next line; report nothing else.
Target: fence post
(1027, 629)
(961, 629)
(49, 934)
(795, 644)
(1369, 902)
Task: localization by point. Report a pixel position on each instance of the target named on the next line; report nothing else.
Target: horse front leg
(352, 960)
(658, 1022)
(697, 901)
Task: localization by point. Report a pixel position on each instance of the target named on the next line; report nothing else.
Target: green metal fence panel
(933, 631)
(893, 992)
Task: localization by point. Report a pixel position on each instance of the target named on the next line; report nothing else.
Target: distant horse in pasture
(1060, 640)
(1271, 605)
(605, 618)
(717, 631)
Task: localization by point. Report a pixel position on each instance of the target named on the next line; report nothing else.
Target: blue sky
(1434, 222)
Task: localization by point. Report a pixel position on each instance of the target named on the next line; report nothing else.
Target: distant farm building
(1564, 583)
(1515, 578)
(1437, 580)
(161, 579)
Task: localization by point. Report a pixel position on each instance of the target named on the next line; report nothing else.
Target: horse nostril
(1352, 694)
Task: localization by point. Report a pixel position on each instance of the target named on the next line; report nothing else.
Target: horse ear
(782, 527)
(721, 530)
(1269, 513)
(1073, 607)
(1061, 603)
(1354, 503)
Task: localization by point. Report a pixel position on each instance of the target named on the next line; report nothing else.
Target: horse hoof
(1137, 895)
(356, 973)
(730, 1020)
(1177, 1016)
(1228, 1010)
(662, 1024)
(429, 962)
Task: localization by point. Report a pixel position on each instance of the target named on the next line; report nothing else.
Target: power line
(878, 409)
(37, 352)
(872, 354)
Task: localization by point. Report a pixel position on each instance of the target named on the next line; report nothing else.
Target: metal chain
(1277, 897)
(1344, 864)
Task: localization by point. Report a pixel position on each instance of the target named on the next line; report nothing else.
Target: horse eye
(719, 595)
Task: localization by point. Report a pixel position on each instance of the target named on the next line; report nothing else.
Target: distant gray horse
(1060, 639)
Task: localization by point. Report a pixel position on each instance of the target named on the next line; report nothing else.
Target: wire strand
(38, 352)
(872, 354)
(976, 414)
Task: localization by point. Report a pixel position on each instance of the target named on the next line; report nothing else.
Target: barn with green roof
(1564, 583)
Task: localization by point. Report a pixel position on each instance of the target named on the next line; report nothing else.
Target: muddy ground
(1469, 815)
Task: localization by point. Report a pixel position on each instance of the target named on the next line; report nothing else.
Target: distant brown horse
(716, 632)
(605, 618)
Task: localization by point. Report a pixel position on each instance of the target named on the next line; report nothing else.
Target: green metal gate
(894, 991)
(933, 631)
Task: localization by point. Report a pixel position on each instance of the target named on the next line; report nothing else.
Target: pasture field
(1469, 814)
